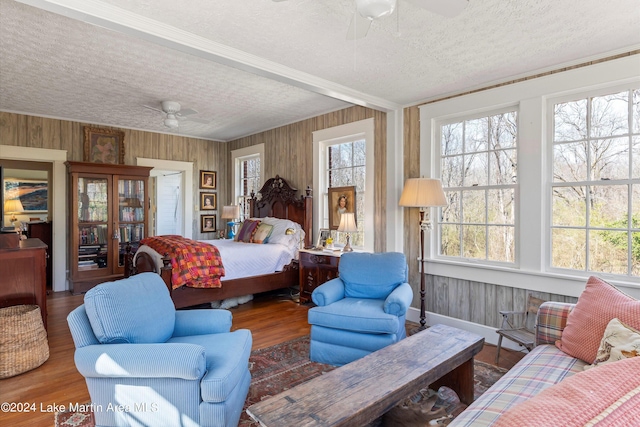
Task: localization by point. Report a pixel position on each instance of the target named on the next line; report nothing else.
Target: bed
(276, 199)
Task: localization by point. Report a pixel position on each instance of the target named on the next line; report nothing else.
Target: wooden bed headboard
(278, 199)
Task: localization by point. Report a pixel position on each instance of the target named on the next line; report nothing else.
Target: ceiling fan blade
(187, 112)
(153, 108)
(447, 8)
(359, 27)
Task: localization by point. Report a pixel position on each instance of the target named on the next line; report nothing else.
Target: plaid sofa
(543, 367)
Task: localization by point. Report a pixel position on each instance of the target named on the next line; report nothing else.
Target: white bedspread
(243, 259)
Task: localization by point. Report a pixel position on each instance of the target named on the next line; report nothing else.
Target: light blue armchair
(147, 364)
(361, 311)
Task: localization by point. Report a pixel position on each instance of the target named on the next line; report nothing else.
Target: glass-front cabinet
(109, 210)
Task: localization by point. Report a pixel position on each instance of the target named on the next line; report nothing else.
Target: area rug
(279, 368)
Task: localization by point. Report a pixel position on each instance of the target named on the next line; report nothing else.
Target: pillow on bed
(247, 229)
(279, 234)
(262, 233)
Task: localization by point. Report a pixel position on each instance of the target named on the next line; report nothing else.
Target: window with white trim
(479, 164)
(595, 183)
(247, 165)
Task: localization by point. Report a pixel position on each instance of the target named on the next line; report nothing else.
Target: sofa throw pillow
(597, 305)
(262, 233)
(603, 396)
(135, 310)
(619, 342)
(247, 230)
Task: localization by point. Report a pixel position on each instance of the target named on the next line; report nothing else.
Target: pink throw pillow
(597, 305)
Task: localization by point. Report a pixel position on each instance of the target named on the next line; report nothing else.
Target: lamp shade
(422, 193)
(231, 212)
(13, 206)
(348, 223)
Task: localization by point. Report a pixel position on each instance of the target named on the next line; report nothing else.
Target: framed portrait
(323, 234)
(208, 179)
(207, 223)
(208, 201)
(103, 145)
(341, 200)
(32, 193)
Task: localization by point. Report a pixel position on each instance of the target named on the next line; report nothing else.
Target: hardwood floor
(272, 319)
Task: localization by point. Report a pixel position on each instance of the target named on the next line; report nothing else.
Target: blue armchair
(361, 311)
(147, 364)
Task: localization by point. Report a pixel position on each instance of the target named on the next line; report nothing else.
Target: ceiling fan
(369, 10)
(174, 114)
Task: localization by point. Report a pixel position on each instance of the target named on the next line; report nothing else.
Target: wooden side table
(316, 267)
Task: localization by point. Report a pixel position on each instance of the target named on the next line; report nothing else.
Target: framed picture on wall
(103, 145)
(341, 200)
(208, 179)
(207, 223)
(208, 201)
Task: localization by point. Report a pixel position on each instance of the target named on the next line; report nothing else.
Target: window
(343, 156)
(595, 189)
(479, 164)
(247, 164)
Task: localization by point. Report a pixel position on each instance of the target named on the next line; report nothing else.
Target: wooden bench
(362, 391)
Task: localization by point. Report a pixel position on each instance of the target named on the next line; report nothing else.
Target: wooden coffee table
(361, 391)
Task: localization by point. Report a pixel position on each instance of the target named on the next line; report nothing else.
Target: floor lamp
(422, 193)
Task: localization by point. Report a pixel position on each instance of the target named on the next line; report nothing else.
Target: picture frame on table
(103, 145)
(208, 201)
(207, 223)
(341, 200)
(323, 235)
(208, 179)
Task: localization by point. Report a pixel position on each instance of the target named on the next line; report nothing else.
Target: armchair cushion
(367, 275)
(357, 315)
(137, 309)
(399, 301)
(202, 322)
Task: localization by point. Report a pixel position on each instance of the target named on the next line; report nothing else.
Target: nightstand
(316, 267)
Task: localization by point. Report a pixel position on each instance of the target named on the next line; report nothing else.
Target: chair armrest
(551, 320)
(399, 301)
(328, 293)
(161, 360)
(201, 322)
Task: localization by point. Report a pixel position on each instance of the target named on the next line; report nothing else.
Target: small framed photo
(341, 200)
(103, 146)
(208, 179)
(207, 223)
(208, 201)
(323, 235)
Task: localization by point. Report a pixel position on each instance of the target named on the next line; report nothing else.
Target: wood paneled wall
(40, 132)
(288, 153)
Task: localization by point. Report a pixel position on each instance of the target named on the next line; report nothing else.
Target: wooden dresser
(23, 278)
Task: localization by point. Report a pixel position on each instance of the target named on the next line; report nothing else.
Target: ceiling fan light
(374, 9)
(171, 123)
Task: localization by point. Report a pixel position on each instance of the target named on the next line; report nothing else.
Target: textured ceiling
(275, 63)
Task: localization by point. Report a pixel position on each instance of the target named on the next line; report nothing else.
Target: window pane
(359, 178)
(569, 206)
(451, 139)
(635, 157)
(450, 240)
(569, 248)
(570, 121)
(608, 251)
(500, 206)
(609, 206)
(340, 177)
(474, 207)
(636, 111)
(610, 159)
(451, 212)
(475, 169)
(501, 244)
(635, 202)
(503, 167)
(569, 162)
(609, 115)
(359, 153)
(452, 171)
(635, 250)
(476, 135)
(504, 130)
(474, 241)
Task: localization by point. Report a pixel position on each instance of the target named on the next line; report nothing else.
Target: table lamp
(12, 207)
(422, 193)
(348, 225)
(231, 213)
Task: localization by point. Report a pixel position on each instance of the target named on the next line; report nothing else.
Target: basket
(23, 340)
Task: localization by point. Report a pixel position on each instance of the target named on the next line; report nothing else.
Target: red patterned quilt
(193, 263)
